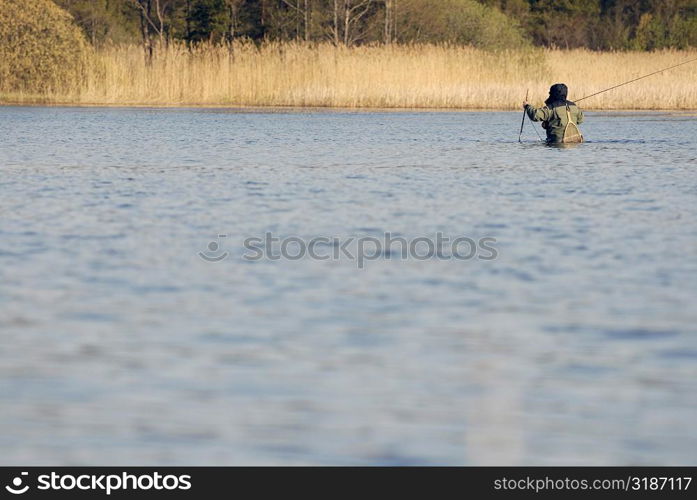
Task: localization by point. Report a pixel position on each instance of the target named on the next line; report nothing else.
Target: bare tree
(188, 21)
(303, 9)
(233, 11)
(390, 21)
(335, 26)
(160, 7)
(146, 25)
(153, 15)
(308, 18)
(347, 15)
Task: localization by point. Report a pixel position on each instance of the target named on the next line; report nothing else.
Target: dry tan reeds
(416, 76)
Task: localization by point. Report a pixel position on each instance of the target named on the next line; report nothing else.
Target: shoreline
(325, 109)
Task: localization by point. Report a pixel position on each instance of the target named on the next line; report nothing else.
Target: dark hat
(558, 92)
(557, 95)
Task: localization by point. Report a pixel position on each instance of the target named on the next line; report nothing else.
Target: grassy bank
(423, 76)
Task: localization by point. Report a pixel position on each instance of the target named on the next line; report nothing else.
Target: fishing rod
(522, 124)
(636, 79)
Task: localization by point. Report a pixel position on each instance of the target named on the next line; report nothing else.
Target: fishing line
(534, 128)
(636, 79)
(522, 123)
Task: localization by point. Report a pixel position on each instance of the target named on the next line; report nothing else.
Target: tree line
(605, 24)
(595, 24)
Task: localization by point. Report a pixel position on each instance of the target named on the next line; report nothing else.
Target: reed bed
(416, 76)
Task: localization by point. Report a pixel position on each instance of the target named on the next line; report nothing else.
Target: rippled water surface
(120, 345)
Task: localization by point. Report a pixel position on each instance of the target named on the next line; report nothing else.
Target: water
(120, 345)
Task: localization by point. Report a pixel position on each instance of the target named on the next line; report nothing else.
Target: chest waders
(571, 131)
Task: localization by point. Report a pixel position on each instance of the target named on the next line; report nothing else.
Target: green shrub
(41, 49)
(464, 22)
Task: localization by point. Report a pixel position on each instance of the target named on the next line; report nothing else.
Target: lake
(137, 328)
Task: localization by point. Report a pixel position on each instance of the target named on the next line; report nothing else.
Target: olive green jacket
(554, 119)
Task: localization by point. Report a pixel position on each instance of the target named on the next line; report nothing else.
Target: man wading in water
(559, 117)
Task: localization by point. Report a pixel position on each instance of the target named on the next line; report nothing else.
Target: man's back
(555, 117)
(559, 117)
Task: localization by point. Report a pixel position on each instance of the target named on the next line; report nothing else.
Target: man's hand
(525, 104)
